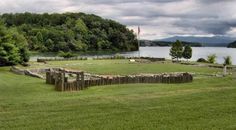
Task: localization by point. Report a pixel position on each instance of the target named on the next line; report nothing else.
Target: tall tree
(176, 51)
(81, 27)
(187, 53)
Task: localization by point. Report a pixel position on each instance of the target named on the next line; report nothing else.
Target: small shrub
(25, 64)
(65, 54)
(117, 56)
(202, 60)
(211, 58)
(83, 58)
(228, 60)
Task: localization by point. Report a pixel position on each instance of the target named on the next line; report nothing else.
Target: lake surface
(198, 52)
(163, 52)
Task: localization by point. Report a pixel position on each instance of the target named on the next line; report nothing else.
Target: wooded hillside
(232, 45)
(71, 32)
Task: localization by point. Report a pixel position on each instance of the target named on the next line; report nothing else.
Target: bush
(202, 60)
(211, 58)
(13, 46)
(65, 54)
(228, 60)
(25, 64)
(117, 56)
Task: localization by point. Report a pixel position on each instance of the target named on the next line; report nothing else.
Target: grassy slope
(27, 103)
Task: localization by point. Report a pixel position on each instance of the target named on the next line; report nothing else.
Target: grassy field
(124, 67)
(207, 103)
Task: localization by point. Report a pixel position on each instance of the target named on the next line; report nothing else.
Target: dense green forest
(71, 32)
(232, 45)
(165, 43)
(68, 32)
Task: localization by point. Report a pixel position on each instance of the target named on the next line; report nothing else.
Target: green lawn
(207, 103)
(125, 67)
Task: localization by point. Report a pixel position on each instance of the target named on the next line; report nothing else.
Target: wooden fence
(83, 81)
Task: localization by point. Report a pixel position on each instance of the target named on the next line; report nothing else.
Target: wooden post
(82, 79)
(48, 77)
(78, 80)
(225, 70)
(62, 78)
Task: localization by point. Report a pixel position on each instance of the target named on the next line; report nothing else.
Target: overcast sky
(156, 18)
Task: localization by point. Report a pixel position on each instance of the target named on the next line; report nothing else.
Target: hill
(232, 45)
(71, 32)
(166, 43)
(206, 41)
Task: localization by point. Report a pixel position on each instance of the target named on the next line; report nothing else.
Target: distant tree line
(165, 43)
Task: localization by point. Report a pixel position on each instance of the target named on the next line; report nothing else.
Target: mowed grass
(207, 103)
(124, 67)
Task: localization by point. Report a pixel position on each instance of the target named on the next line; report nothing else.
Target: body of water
(198, 52)
(163, 52)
